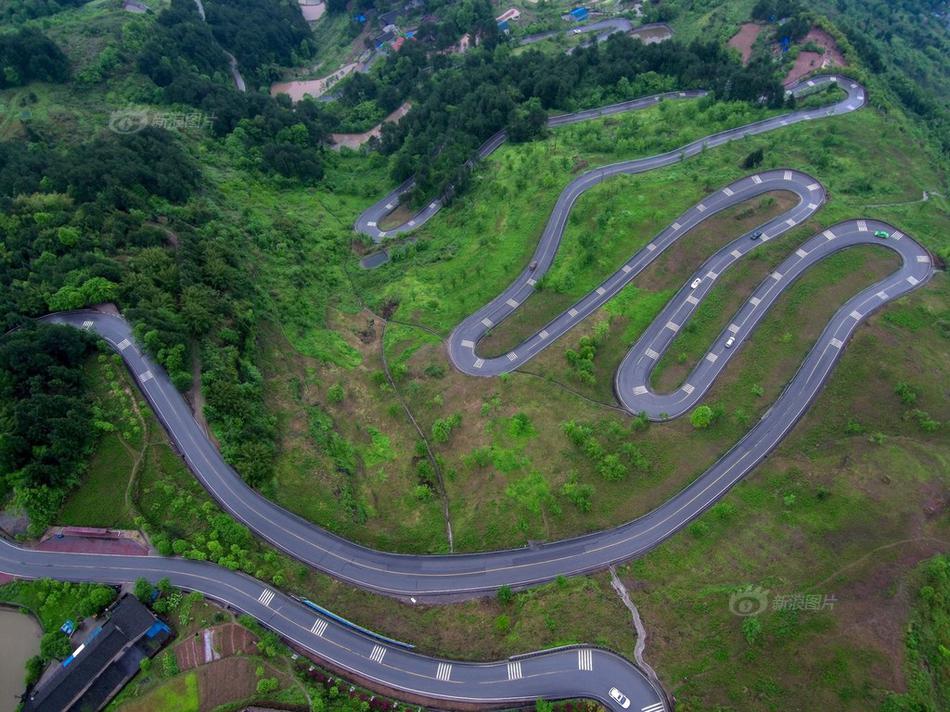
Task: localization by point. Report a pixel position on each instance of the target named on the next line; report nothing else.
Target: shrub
(702, 417)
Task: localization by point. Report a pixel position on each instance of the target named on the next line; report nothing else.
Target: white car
(696, 282)
(619, 697)
(575, 31)
(730, 341)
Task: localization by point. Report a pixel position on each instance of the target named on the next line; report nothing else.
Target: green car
(883, 234)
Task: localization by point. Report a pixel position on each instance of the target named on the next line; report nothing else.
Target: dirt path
(637, 624)
(355, 140)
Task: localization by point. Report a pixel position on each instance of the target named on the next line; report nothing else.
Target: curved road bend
(567, 673)
(368, 221)
(470, 575)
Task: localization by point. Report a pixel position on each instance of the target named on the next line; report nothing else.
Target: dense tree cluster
(186, 59)
(181, 44)
(457, 107)
(905, 41)
(262, 35)
(28, 55)
(92, 241)
(17, 11)
(47, 432)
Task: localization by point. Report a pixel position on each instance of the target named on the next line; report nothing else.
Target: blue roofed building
(103, 663)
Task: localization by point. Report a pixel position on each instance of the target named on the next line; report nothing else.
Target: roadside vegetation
(230, 248)
(53, 603)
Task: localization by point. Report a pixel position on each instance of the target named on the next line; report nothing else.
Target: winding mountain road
(584, 672)
(577, 671)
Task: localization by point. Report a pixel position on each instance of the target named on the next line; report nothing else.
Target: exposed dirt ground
(745, 38)
(809, 61)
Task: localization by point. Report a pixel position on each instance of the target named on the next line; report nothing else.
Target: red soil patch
(94, 545)
(745, 38)
(226, 681)
(809, 61)
(227, 640)
(233, 639)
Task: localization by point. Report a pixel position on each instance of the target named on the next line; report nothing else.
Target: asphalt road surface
(554, 674)
(369, 220)
(458, 576)
(578, 671)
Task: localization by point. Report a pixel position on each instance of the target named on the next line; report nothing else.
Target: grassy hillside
(847, 507)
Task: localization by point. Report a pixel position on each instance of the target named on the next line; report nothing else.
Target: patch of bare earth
(744, 39)
(808, 61)
(355, 140)
(228, 680)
